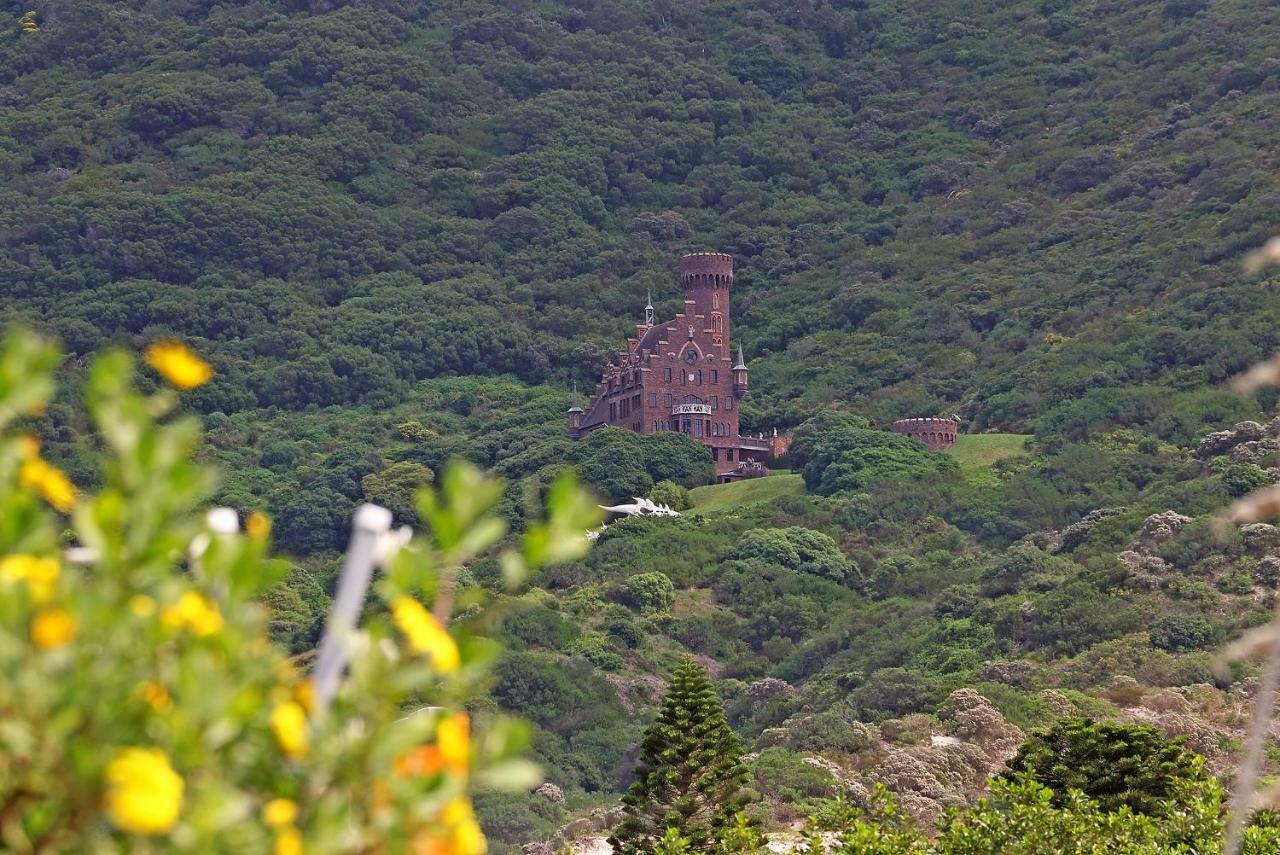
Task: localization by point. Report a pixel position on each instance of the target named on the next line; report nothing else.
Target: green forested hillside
(1026, 212)
(400, 230)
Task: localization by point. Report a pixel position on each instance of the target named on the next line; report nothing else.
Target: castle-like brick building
(682, 375)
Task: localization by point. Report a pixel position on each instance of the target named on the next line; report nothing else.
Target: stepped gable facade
(682, 375)
(936, 434)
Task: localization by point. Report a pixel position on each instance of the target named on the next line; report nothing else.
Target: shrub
(892, 692)
(1243, 478)
(795, 548)
(649, 592)
(839, 454)
(141, 696)
(782, 776)
(671, 494)
(1178, 633)
(1116, 765)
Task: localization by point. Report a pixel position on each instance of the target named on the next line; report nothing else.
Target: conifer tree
(690, 775)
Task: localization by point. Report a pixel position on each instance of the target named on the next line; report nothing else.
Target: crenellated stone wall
(936, 434)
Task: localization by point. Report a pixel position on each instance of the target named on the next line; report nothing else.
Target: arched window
(699, 376)
(717, 322)
(715, 302)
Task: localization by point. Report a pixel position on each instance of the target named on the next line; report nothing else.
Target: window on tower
(666, 374)
(653, 399)
(715, 376)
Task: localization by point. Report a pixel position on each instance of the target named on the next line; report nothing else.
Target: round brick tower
(936, 434)
(706, 278)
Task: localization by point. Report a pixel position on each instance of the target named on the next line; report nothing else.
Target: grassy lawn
(978, 452)
(714, 497)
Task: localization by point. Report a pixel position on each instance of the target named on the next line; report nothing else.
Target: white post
(371, 523)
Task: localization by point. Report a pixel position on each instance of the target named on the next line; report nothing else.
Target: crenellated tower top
(706, 268)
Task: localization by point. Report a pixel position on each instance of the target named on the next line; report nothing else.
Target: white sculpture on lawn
(639, 507)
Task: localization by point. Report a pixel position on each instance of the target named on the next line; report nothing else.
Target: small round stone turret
(936, 434)
(740, 375)
(575, 414)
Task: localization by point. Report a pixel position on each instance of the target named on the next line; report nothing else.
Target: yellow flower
(52, 628)
(278, 813)
(464, 835)
(142, 605)
(28, 446)
(193, 612)
(289, 723)
(157, 696)
(288, 841)
(460, 834)
(451, 750)
(40, 574)
(425, 634)
(179, 365)
(57, 489)
(453, 735)
(144, 793)
(305, 694)
(258, 525)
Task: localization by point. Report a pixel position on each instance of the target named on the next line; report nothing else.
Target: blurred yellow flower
(40, 574)
(157, 696)
(258, 525)
(194, 612)
(57, 489)
(144, 793)
(179, 365)
(142, 605)
(288, 841)
(461, 834)
(28, 446)
(425, 634)
(423, 760)
(278, 813)
(52, 628)
(305, 694)
(453, 735)
(464, 832)
(451, 750)
(289, 723)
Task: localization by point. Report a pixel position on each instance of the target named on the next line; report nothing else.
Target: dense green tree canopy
(1116, 765)
(1020, 212)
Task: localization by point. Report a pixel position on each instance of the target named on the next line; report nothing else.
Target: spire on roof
(648, 308)
(742, 363)
(574, 408)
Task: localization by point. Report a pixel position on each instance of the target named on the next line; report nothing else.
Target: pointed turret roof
(742, 363)
(574, 408)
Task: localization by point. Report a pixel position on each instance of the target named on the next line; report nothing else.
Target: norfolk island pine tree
(690, 777)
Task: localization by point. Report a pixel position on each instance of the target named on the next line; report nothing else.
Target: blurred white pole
(371, 524)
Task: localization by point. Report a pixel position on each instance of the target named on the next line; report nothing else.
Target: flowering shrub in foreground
(142, 707)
